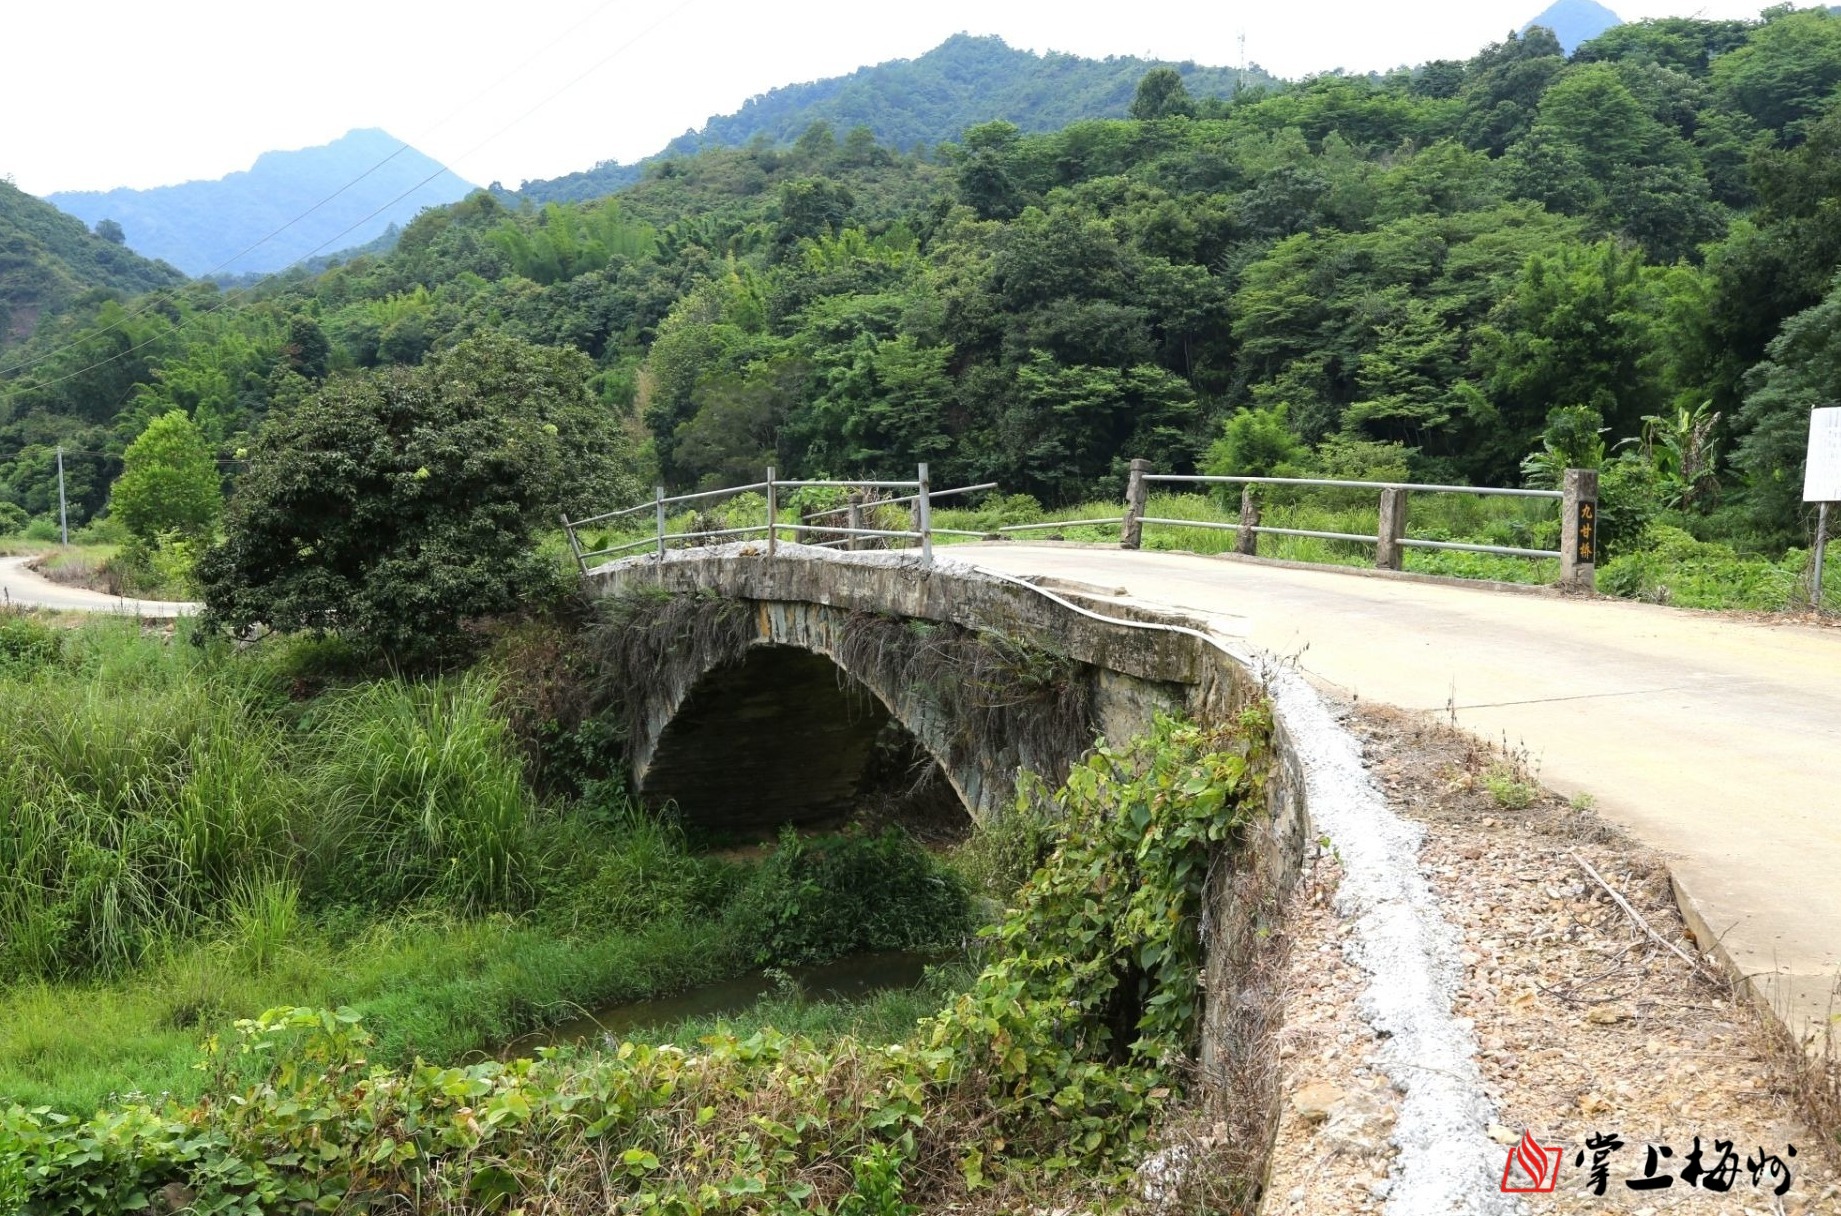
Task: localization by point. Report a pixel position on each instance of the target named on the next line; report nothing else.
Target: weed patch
(1047, 1074)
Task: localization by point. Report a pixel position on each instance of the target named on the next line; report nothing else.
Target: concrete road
(21, 585)
(1716, 741)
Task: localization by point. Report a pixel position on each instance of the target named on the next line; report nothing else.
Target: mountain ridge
(363, 181)
(1575, 22)
(935, 96)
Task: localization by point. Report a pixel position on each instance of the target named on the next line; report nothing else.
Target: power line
(159, 298)
(226, 299)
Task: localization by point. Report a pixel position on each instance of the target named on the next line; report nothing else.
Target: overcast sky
(110, 93)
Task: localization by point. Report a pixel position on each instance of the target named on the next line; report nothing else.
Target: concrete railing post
(853, 519)
(1387, 549)
(1247, 539)
(1579, 529)
(1137, 494)
(923, 505)
(658, 497)
(773, 512)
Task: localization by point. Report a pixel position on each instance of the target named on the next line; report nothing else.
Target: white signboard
(1822, 481)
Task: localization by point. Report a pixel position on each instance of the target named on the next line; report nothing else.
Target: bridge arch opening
(784, 735)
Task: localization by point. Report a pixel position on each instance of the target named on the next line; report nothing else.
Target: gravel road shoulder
(1586, 1025)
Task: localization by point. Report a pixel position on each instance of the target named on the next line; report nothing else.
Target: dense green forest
(1627, 256)
(910, 103)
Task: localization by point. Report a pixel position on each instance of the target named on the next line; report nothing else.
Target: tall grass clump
(421, 791)
(129, 812)
(151, 789)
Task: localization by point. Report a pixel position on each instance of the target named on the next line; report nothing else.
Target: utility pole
(63, 509)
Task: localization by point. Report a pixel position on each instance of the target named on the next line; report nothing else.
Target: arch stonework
(767, 728)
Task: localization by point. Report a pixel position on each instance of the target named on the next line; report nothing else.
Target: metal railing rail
(1578, 517)
(772, 527)
(1499, 491)
(891, 502)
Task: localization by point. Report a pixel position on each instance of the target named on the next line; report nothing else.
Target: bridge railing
(1577, 553)
(851, 532)
(1578, 500)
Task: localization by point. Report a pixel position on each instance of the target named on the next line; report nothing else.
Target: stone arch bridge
(764, 681)
(757, 685)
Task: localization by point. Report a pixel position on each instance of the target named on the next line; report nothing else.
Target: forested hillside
(48, 260)
(1438, 272)
(226, 225)
(908, 103)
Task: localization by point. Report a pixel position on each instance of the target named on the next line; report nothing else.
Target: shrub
(26, 644)
(1255, 443)
(818, 900)
(1629, 499)
(396, 506)
(13, 519)
(1671, 567)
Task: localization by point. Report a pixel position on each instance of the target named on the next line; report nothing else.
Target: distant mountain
(201, 226)
(47, 259)
(1575, 21)
(960, 83)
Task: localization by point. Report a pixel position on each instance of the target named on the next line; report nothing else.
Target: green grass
(185, 842)
(889, 1016)
(1674, 568)
(441, 988)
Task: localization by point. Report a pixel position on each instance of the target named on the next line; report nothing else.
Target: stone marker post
(1247, 539)
(773, 513)
(1579, 529)
(1387, 550)
(1137, 493)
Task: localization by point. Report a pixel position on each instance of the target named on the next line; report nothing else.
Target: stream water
(847, 979)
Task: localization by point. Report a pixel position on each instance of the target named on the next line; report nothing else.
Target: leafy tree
(392, 506)
(1255, 443)
(111, 232)
(307, 351)
(169, 482)
(1577, 329)
(1786, 70)
(1162, 94)
(1801, 372)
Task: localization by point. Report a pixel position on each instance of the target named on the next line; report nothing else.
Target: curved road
(1716, 741)
(21, 585)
